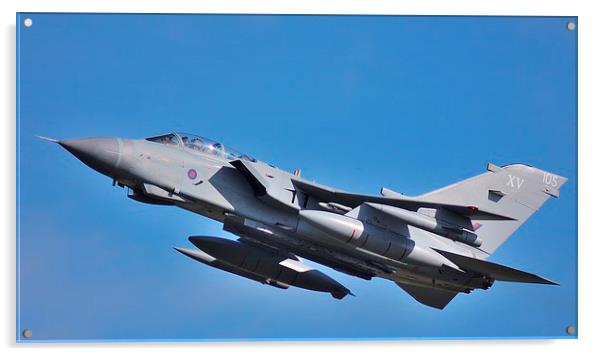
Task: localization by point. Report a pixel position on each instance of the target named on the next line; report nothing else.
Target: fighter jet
(433, 246)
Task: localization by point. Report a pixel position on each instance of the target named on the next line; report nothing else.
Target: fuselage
(428, 245)
(199, 175)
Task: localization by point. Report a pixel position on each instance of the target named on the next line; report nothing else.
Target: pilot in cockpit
(197, 144)
(168, 140)
(215, 149)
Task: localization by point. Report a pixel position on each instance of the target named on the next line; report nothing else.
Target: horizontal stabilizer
(494, 270)
(435, 298)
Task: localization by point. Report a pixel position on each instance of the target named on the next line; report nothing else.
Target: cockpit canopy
(201, 144)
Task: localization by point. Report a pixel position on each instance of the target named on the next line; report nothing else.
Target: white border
(590, 25)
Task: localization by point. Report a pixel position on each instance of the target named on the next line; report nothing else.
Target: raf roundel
(192, 174)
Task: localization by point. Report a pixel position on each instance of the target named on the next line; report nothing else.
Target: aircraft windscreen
(208, 146)
(169, 139)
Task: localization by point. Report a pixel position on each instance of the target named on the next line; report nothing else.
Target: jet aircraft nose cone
(99, 153)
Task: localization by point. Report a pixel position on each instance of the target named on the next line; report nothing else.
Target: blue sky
(410, 103)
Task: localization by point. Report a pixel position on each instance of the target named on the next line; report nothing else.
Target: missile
(344, 228)
(260, 265)
(374, 239)
(431, 224)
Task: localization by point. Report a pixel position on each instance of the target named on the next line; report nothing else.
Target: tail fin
(515, 190)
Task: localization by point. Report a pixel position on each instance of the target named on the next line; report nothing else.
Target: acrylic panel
(279, 130)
